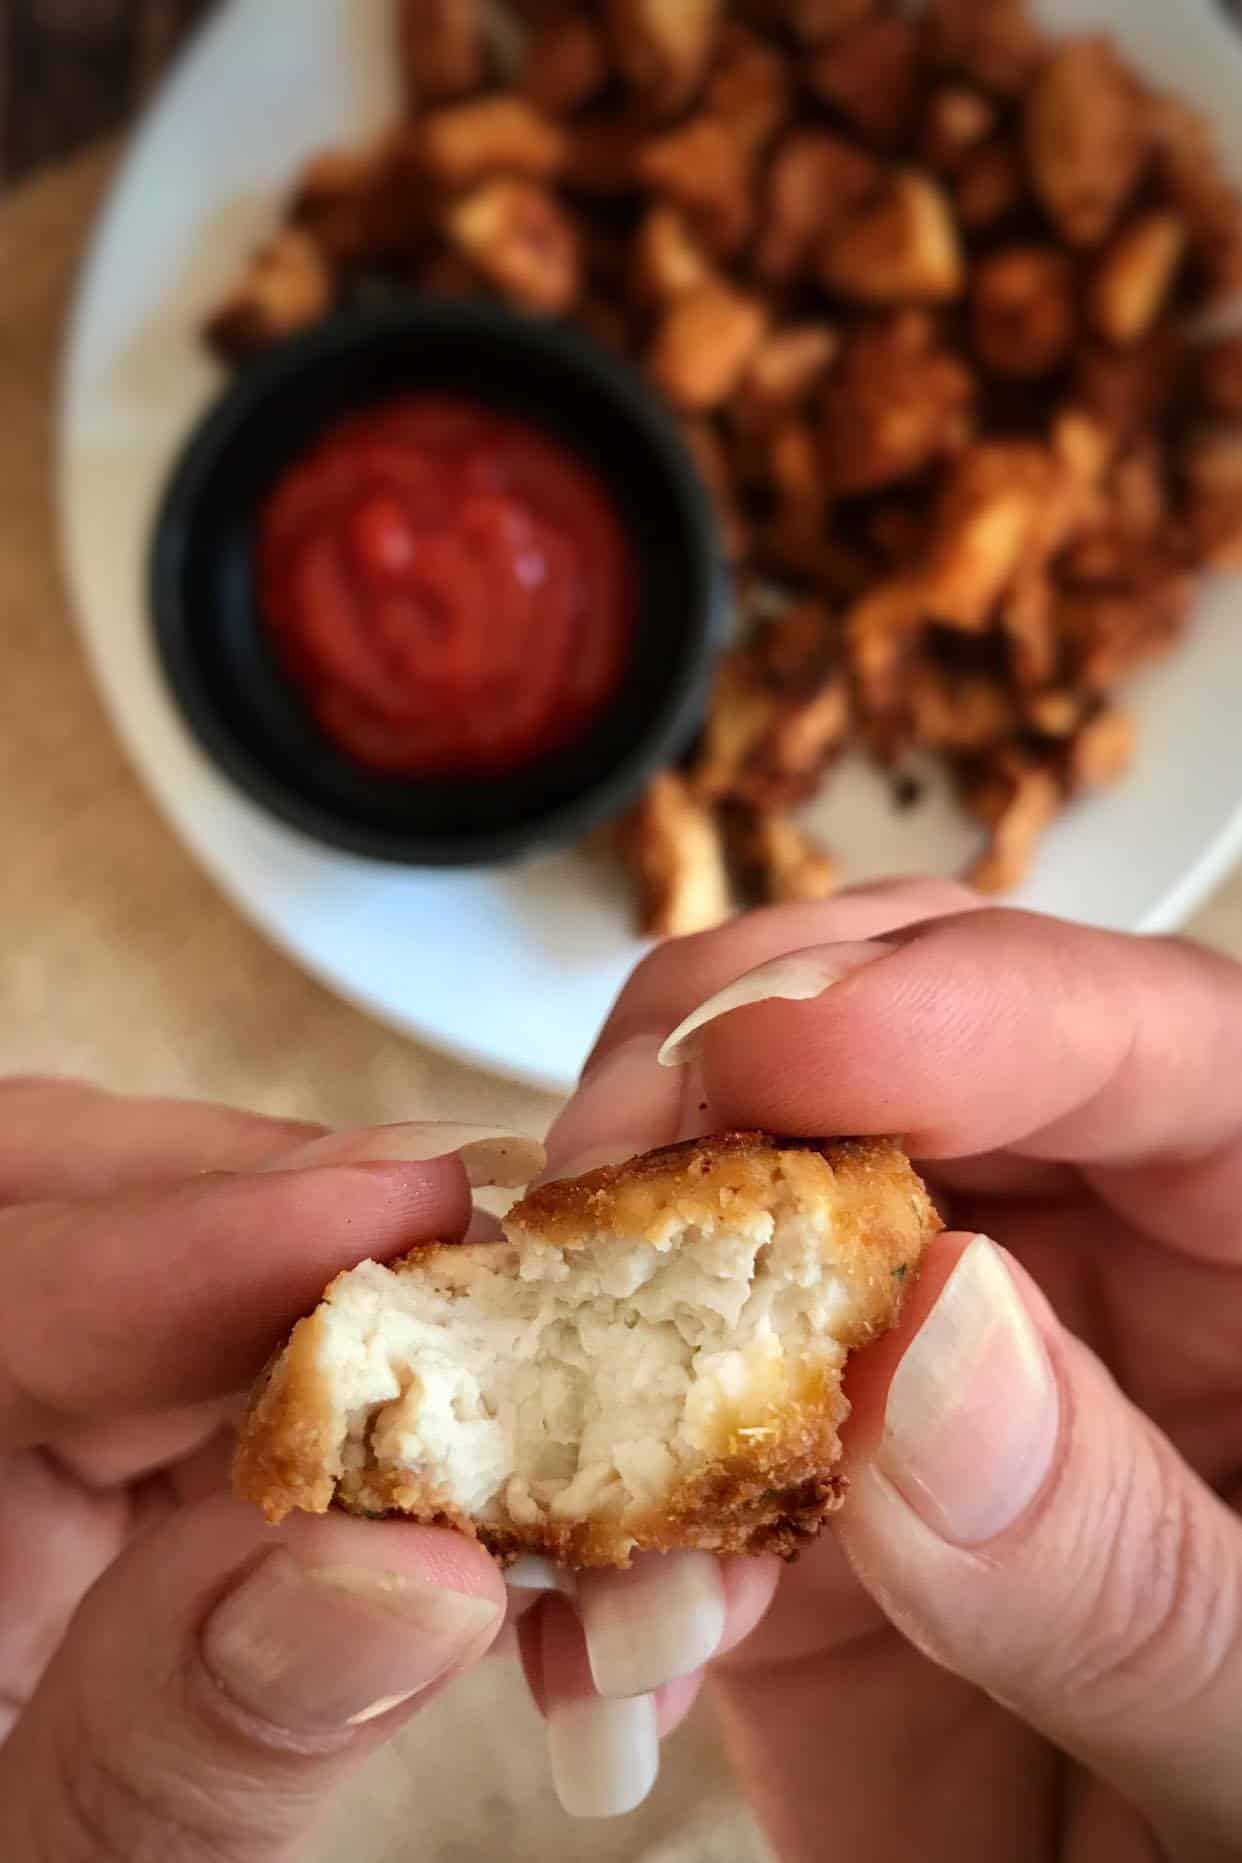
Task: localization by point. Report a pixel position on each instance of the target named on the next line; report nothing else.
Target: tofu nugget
(652, 1358)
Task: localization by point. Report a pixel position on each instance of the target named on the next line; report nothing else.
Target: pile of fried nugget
(923, 288)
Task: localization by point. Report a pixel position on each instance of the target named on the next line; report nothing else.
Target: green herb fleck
(899, 1273)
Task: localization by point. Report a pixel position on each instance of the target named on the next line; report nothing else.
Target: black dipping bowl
(226, 677)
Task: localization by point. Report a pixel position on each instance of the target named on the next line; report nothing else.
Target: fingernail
(313, 1649)
(973, 1415)
(605, 1755)
(795, 979)
(531, 1573)
(662, 1619)
(489, 1154)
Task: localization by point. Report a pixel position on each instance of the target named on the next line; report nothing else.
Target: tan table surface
(119, 960)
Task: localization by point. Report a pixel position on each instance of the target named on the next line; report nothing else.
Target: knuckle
(127, 1800)
(1159, 1611)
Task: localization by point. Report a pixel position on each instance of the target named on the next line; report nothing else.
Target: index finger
(995, 1030)
(626, 1102)
(177, 1295)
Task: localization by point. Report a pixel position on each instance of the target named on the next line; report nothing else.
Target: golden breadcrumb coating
(651, 1359)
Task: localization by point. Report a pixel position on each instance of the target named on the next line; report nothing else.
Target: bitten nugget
(652, 1358)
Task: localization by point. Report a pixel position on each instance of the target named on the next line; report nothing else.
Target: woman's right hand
(1023, 1636)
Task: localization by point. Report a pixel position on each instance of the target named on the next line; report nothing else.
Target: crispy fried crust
(766, 1490)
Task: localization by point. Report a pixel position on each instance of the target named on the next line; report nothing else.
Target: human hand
(177, 1679)
(1023, 1637)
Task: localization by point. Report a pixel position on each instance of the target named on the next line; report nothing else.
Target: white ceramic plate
(512, 969)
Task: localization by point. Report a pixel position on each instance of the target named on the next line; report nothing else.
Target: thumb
(223, 1678)
(1026, 1527)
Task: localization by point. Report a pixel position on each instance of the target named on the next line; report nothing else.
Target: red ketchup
(450, 588)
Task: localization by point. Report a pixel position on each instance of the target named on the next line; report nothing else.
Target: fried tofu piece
(712, 462)
(1129, 390)
(815, 21)
(566, 66)
(1218, 371)
(778, 716)
(518, 236)
(989, 186)
(869, 73)
(993, 42)
(1100, 752)
(1023, 311)
(289, 285)
(708, 171)
(794, 471)
(499, 135)
(1212, 469)
(958, 711)
(1021, 801)
(900, 246)
(1056, 713)
(651, 1358)
(1087, 139)
(896, 403)
(880, 631)
(704, 343)
(362, 204)
(1108, 634)
(777, 862)
(815, 180)
(673, 848)
(1190, 172)
(990, 514)
(662, 47)
(441, 48)
(788, 364)
(957, 119)
(603, 160)
(1132, 282)
(748, 88)
(668, 260)
(1027, 622)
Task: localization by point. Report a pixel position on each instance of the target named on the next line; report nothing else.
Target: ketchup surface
(450, 588)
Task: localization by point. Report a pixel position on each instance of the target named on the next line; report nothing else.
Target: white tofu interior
(571, 1383)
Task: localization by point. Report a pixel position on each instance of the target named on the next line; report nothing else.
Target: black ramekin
(227, 680)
